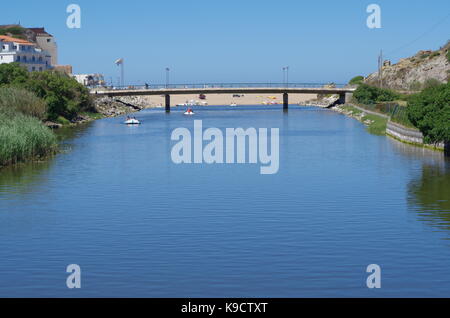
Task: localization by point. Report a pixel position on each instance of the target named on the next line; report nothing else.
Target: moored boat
(132, 121)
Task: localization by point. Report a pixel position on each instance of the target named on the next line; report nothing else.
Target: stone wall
(409, 135)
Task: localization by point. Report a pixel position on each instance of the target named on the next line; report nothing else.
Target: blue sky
(234, 41)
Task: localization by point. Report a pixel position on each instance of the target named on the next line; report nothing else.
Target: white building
(90, 79)
(23, 52)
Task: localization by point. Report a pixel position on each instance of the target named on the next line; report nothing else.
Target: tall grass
(17, 100)
(23, 137)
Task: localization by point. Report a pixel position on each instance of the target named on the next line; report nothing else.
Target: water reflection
(430, 195)
(24, 178)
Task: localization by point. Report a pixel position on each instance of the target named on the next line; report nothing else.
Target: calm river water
(139, 225)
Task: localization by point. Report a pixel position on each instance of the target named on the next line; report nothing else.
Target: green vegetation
(415, 86)
(28, 99)
(434, 54)
(448, 55)
(357, 80)
(15, 31)
(366, 94)
(13, 74)
(63, 95)
(378, 125)
(23, 137)
(19, 100)
(400, 116)
(375, 124)
(430, 112)
(418, 86)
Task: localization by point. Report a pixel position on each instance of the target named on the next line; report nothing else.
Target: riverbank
(375, 123)
(24, 138)
(381, 124)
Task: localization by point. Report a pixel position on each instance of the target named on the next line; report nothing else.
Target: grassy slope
(378, 125)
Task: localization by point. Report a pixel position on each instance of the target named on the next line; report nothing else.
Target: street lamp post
(167, 77)
(286, 76)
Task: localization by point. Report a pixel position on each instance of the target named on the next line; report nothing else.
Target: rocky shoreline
(108, 107)
(358, 115)
(118, 106)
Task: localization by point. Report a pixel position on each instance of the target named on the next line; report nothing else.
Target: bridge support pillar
(285, 101)
(345, 98)
(167, 103)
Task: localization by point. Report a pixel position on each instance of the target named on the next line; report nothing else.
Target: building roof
(15, 40)
(39, 31)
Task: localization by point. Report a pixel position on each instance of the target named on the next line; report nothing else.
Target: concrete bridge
(184, 89)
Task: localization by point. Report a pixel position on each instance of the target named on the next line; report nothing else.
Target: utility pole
(380, 69)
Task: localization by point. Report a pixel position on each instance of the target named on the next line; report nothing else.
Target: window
(33, 69)
(18, 59)
(40, 69)
(49, 40)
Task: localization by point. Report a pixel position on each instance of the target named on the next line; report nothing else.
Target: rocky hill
(412, 73)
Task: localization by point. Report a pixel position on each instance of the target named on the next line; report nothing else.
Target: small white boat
(233, 105)
(132, 121)
(189, 112)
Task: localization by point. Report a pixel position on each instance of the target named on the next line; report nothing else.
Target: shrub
(366, 94)
(431, 82)
(63, 95)
(356, 80)
(13, 73)
(434, 54)
(430, 112)
(415, 86)
(448, 55)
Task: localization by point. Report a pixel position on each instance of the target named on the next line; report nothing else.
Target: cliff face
(410, 73)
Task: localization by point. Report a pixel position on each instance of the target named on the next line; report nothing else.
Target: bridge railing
(221, 85)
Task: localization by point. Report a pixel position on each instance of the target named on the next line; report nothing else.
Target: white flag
(119, 61)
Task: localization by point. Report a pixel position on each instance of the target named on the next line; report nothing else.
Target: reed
(23, 137)
(19, 100)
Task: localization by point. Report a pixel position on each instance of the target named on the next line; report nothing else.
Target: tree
(366, 94)
(13, 73)
(63, 95)
(356, 80)
(430, 112)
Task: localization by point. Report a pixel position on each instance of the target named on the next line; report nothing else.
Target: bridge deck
(244, 90)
